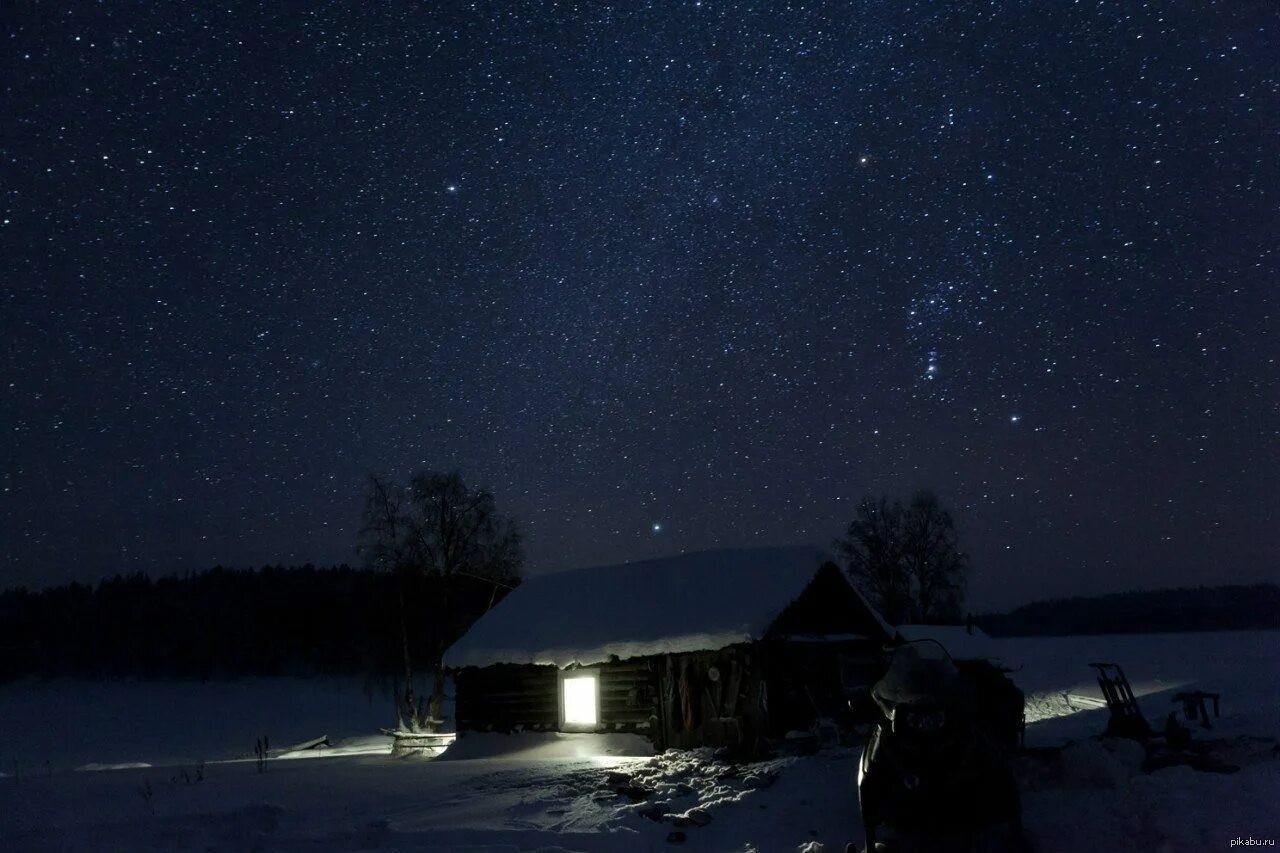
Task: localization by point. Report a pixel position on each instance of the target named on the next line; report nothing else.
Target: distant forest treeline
(225, 622)
(1222, 608)
(307, 620)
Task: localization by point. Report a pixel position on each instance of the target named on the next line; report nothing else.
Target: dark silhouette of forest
(1222, 608)
(224, 622)
(307, 620)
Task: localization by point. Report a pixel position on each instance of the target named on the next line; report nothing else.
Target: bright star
(657, 527)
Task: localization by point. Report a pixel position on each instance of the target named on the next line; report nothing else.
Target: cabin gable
(829, 606)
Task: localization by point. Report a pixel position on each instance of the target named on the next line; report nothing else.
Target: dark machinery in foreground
(937, 771)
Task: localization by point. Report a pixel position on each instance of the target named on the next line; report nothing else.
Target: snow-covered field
(561, 793)
(63, 724)
(1104, 803)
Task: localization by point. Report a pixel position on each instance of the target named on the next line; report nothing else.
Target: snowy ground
(1243, 666)
(1102, 798)
(562, 793)
(48, 726)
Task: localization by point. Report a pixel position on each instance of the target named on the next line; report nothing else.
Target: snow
(957, 640)
(691, 602)
(537, 746)
(366, 745)
(604, 794)
(61, 724)
(490, 804)
(1240, 665)
(1171, 810)
(1101, 762)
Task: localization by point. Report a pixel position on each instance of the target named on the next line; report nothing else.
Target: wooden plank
(521, 706)
(513, 696)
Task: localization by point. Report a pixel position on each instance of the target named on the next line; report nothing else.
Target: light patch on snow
(1089, 694)
(542, 746)
(365, 745)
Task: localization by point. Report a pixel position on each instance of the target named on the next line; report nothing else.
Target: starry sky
(665, 275)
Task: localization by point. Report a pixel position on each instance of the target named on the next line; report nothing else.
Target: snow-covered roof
(691, 602)
(956, 639)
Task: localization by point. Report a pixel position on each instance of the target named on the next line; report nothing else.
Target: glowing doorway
(579, 699)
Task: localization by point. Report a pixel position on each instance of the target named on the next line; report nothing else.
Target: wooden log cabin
(718, 648)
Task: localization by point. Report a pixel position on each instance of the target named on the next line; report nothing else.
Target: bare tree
(384, 542)
(430, 535)
(906, 558)
(937, 567)
(457, 532)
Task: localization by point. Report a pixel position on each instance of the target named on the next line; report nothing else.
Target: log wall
(507, 697)
(513, 697)
(738, 696)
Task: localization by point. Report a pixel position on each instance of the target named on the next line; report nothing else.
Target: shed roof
(691, 602)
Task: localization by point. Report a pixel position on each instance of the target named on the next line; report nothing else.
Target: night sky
(666, 276)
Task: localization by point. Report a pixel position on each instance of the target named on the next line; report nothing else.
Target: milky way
(665, 276)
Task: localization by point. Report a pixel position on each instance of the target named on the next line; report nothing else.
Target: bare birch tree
(430, 535)
(906, 558)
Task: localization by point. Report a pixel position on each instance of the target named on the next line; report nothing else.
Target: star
(665, 284)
